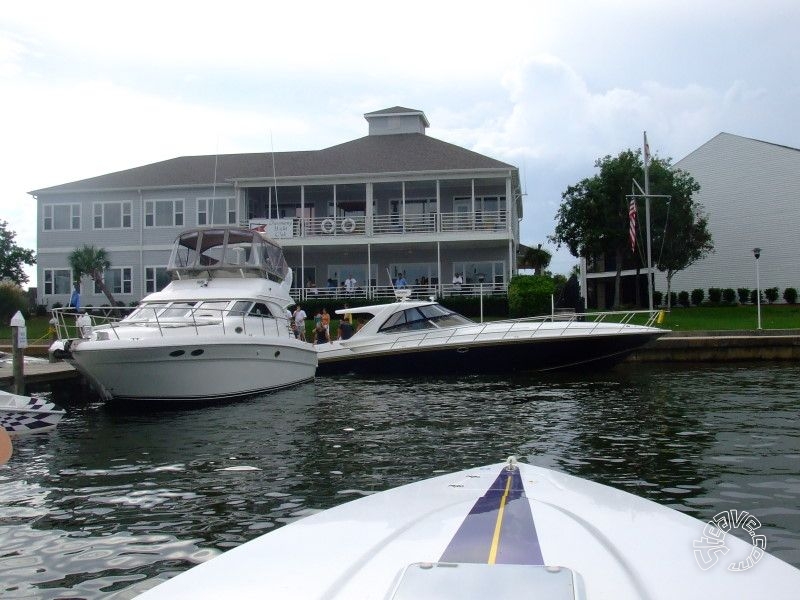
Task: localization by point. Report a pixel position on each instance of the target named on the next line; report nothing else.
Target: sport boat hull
(491, 356)
(22, 415)
(192, 369)
(508, 530)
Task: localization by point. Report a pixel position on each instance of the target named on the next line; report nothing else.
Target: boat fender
(327, 226)
(348, 225)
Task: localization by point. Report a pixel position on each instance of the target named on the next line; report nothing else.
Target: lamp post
(757, 254)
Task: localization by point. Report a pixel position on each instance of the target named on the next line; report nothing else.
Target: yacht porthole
(177, 353)
(197, 352)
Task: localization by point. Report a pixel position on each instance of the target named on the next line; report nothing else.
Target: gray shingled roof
(373, 154)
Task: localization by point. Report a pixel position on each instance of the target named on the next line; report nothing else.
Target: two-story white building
(395, 202)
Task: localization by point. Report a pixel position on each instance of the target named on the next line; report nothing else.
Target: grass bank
(721, 318)
(699, 318)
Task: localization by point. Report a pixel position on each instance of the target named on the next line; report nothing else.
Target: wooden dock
(36, 372)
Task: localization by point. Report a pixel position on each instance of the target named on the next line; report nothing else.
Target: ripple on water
(115, 501)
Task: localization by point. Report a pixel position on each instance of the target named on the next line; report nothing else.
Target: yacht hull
(194, 369)
(506, 356)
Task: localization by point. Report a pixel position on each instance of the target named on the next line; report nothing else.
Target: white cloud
(550, 87)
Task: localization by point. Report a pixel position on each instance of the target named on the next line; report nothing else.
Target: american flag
(632, 223)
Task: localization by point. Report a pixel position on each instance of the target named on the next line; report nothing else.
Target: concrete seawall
(722, 346)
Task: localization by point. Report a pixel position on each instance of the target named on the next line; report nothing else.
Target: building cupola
(396, 120)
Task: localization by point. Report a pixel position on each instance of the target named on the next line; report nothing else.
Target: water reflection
(113, 498)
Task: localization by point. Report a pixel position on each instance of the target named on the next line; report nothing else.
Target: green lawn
(778, 316)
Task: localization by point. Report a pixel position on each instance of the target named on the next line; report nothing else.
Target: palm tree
(91, 261)
(537, 258)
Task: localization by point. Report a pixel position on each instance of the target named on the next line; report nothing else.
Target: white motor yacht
(422, 336)
(506, 531)
(219, 330)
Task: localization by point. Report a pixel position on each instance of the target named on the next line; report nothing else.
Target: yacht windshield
(147, 312)
(431, 316)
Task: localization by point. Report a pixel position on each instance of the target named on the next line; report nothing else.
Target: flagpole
(647, 221)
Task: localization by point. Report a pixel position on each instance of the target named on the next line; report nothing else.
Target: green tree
(680, 227)
(12, 257)
(593, 216)
(91, 261)
(529, 295)
(537, 259)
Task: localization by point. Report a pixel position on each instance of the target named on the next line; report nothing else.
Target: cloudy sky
(90, 87)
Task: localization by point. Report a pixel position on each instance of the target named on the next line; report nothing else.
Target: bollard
(19, 341)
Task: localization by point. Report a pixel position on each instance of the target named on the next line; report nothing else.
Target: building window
(57, 281)
(61, 216)
(163, 213)
(216, 211)
(117, 280)
(155, 279)
(112, 215)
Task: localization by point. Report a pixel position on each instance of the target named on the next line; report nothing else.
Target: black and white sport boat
(418, 336)
(219, 330)
(21, 415)
(504, 531)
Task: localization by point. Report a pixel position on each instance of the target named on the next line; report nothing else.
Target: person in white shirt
(300, 322)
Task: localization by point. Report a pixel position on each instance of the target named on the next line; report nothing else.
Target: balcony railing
(382, 292)
(378, 225)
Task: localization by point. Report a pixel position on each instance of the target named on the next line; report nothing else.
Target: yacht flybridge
(219, 329)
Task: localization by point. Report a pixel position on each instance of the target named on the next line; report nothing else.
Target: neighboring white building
(393, 202)
(751, 192)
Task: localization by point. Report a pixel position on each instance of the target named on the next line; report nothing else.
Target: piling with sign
(19, 341)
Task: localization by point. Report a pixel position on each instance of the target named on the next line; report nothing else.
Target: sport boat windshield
(428, 316)
(227, 249)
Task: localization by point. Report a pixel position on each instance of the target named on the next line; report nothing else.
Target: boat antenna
(274, 172)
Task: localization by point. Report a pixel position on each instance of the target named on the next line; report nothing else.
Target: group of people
(322, 325)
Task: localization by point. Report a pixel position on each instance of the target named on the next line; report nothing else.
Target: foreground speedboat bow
(218, 330)
(508, 530)
(20, 415)
(416, 336)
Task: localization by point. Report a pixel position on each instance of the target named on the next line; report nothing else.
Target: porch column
(472, 209)
(438, 227)
(303, 212)
(403, 204)
(368, 211)
(508, 202)
(439, 264)
(369, 271)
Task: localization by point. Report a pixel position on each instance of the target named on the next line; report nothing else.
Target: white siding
(751, 193)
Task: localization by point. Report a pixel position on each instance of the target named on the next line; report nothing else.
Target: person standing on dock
(300, 322)
(75, 299)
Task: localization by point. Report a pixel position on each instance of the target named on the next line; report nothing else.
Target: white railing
(383, 224)
(520, 329)
(105, 322)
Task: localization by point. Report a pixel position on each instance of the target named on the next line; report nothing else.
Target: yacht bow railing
(526, 328)
(106, 322)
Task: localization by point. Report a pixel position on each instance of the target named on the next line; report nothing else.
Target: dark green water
(112, 499)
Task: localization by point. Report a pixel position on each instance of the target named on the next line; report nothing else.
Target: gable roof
(369, 155)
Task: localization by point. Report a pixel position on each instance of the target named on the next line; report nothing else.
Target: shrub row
(726, 296)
